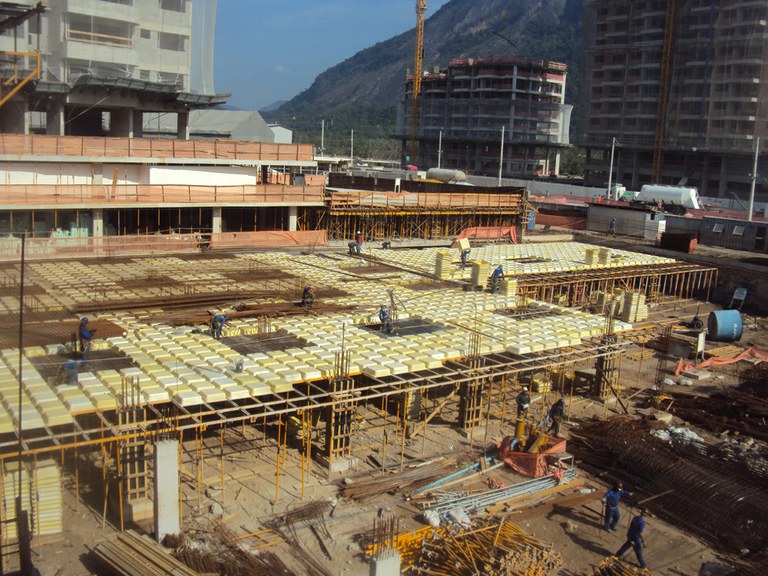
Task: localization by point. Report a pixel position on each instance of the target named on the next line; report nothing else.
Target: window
(718, 228)
(174, 42)
(174, 5)
(739, 230)
(146, 33)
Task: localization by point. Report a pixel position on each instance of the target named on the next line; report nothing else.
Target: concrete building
(682, 87)
(103, 63)
(464, 107)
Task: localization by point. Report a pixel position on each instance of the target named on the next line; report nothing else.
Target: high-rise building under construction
(682, 87)
(92, 67)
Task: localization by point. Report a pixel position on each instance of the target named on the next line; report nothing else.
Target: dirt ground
(251, 500)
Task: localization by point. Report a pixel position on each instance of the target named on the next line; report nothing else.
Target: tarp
(753, 353)
(488, 233)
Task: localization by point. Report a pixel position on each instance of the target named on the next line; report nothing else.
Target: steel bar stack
(493, 548)
(473, 502)
(700, 495)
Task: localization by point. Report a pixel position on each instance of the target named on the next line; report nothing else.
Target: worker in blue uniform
(611, 501)
(217, 325)
(556, 413)
(496, 277)
(68, 372)
(635, 538)
(386, 319)
(86, 338)
(308, 296)
(464, 256)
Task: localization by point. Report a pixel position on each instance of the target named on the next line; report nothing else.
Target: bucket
(724, 325)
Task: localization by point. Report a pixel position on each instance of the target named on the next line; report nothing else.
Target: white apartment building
(105, 62)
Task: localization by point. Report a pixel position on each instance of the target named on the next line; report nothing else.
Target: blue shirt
(499, 272)
(612, 497)
(85, 334)
(220, 319)
(636, 528)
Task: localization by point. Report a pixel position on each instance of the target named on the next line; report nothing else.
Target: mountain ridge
(363, 91)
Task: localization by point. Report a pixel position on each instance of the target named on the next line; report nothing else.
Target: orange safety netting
(753, 353)
(269, 239)
(488, 233)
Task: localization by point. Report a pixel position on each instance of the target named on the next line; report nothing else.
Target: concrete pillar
(216, 222)
(138, 123)
(293, 218)
(166, 489)
(121, 123)
(54, 118)
(98, 223)
(182, 126)
(387, 564)
(14, 116)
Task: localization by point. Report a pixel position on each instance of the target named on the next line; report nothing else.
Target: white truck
(672, 198)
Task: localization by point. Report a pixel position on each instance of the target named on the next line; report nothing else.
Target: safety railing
(86, 146)
(67, 194)
(429, 200)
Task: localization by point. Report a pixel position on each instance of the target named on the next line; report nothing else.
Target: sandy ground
(250, 498)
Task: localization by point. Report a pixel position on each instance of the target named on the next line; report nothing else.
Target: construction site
(316, 436)
(219, 360)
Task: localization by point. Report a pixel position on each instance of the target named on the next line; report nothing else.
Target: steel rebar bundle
(699, 495)
(471, 502)
(492, 548)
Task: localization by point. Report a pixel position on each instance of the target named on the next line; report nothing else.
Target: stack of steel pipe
(472, 502)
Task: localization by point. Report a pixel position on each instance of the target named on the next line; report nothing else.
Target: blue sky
(269, 50)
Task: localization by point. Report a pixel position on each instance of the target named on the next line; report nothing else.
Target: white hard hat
(525, 388)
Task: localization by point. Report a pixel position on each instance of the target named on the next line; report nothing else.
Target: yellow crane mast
(418, 63)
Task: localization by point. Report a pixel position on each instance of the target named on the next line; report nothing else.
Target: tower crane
(418, 63)
(664, 87)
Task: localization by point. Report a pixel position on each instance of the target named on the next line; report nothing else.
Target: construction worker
(68, 372)
(612, 227)
(386, 319)
(556, 413)
(217, 325)
(359, 241)
(86, 337)
(635, 538)
(351, 246)
(496, 277)
(523, 400)
(464, 256)
(308, 296)
(611, 501)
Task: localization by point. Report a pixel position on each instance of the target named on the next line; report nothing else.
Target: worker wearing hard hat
(464, 256)
(523, 400)
(217, 325)
(496, 278)
(359, 241)
(68, 372)
(386, 319)
(308, 296)
(86, 337)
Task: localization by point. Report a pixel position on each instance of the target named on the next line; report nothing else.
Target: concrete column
(166, 489)
(138, 123)
(98, 223)
(182, 126)
(14, 116)
(293, 218)
(54, 118)
(216, 223)
(387, 564)
(121, 123)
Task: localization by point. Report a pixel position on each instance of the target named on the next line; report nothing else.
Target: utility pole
(440, 149)
(610, 170)
(322, 137)
(352, 148)
(754, 181)
(501, 155)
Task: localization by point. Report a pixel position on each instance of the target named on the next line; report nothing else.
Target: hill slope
(362, 92)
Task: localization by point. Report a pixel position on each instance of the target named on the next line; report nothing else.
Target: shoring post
(277, 460)
(181, 474)
(221, 459)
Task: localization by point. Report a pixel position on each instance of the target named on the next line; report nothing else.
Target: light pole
(754, 181)
(440, 149)
(610, 170)
(501, 155)
(352, 148)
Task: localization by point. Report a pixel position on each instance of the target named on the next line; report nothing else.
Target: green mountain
(362, 92)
